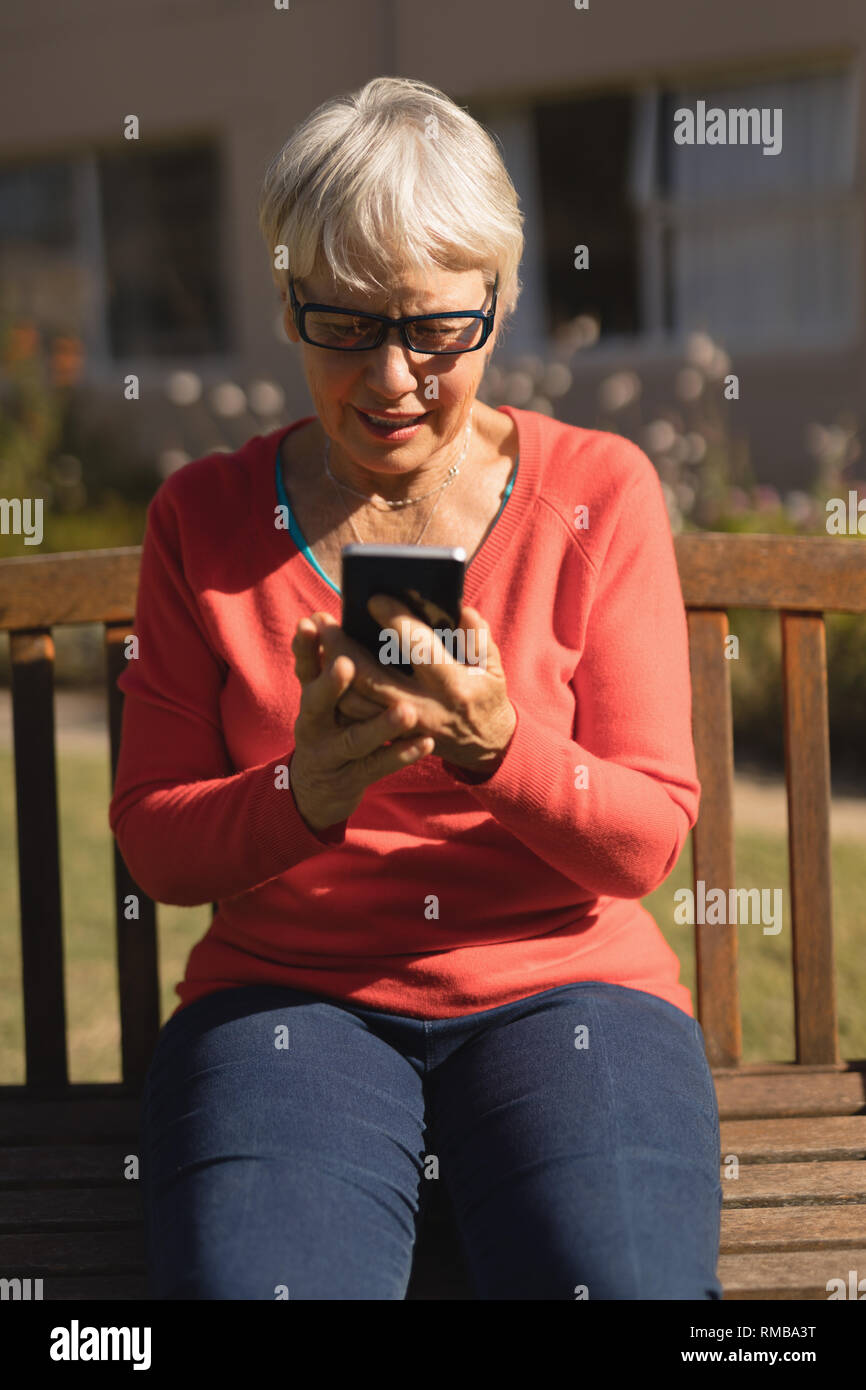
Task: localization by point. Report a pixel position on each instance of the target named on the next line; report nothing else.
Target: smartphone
(416, 574)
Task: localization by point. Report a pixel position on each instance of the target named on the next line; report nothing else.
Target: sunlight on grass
(765, 970)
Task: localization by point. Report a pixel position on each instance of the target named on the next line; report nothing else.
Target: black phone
(415, 574)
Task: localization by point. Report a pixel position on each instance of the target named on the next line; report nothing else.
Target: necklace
(405, 502)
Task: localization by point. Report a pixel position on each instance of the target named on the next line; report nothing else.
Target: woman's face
(392, 380)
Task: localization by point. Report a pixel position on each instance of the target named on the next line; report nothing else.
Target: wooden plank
(787, 1184)
(109, 1090)
(717, 570)
(137, 965)
(814, 574)
(807, 774)
(32, 661)
(45, 1121)
(132, 1288)
(793, 1228)
(86, 1208)
(88, 586)
(68, 1165)
(791, 1274)
(749, 1097)
(781, 1069)
(82, 1252)
(713, 835)
(795, 1141)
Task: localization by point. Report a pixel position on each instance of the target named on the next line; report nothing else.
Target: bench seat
(793, 1218)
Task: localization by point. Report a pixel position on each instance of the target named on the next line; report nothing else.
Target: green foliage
(93, 481)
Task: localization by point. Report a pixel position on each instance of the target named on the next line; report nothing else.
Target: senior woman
(428, 962)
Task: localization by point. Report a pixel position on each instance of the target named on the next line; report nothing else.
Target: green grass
(91, 989)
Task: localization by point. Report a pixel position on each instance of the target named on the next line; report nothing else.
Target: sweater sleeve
(611, 807)
(192, 830)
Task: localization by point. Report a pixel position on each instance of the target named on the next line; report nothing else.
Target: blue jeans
(287, 1139)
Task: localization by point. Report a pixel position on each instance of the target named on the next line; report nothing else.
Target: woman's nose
(391, 369)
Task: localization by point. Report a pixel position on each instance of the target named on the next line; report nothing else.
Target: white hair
(394, 176)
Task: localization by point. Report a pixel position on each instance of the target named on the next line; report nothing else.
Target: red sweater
(436, 897)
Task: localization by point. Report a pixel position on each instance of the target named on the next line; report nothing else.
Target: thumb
(487, 656)
(470, 617)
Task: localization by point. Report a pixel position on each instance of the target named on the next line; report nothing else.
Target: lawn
(91, 989)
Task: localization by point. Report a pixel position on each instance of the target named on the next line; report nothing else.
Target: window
(583, 159)
(161, 221)
(121, 248)
(761, 251)
(40, 275)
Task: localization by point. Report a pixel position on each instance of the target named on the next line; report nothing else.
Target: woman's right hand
(331, 766)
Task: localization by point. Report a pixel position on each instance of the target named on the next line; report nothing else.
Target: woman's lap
(588, 1170)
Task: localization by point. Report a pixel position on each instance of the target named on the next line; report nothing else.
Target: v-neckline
(523, 489)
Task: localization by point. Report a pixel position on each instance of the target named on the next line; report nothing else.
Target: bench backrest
(800, 577)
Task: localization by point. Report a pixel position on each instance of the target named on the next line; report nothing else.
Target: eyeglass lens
(334, 329)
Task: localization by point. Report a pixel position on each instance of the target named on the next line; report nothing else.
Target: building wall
(247, 73)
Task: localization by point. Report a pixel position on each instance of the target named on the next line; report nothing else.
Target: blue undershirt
(300, 540)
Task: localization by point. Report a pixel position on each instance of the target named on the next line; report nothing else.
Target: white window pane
(818, 126)
(771, 282)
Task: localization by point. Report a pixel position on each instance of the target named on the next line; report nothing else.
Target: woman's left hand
(465, 708)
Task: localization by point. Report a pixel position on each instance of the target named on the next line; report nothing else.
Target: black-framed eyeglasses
(342, 330)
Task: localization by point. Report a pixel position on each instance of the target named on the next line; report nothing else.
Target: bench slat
(79, 586)
(717, 570)
(813, 574)
(795, 1141)
(84, 1165)
(35, 1121)
(791, 1274)
(132, 1288)
(764, 1096)
(792, 1228)
(754, 1092)
(81, 1252)
(86, 1208)
(32, 661)
(137, 967)
(790, 1184)
(713, 835)
(807, 773)
(69, 1165)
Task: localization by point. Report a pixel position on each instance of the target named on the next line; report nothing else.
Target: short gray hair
(395, 174)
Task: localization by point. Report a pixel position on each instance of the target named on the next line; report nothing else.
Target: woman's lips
(404, 427)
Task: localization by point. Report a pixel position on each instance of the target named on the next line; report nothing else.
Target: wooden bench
(796, 1215)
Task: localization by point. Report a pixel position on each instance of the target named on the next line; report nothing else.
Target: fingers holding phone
(331, 767)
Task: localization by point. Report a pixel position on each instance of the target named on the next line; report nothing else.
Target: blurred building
(149, 249)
